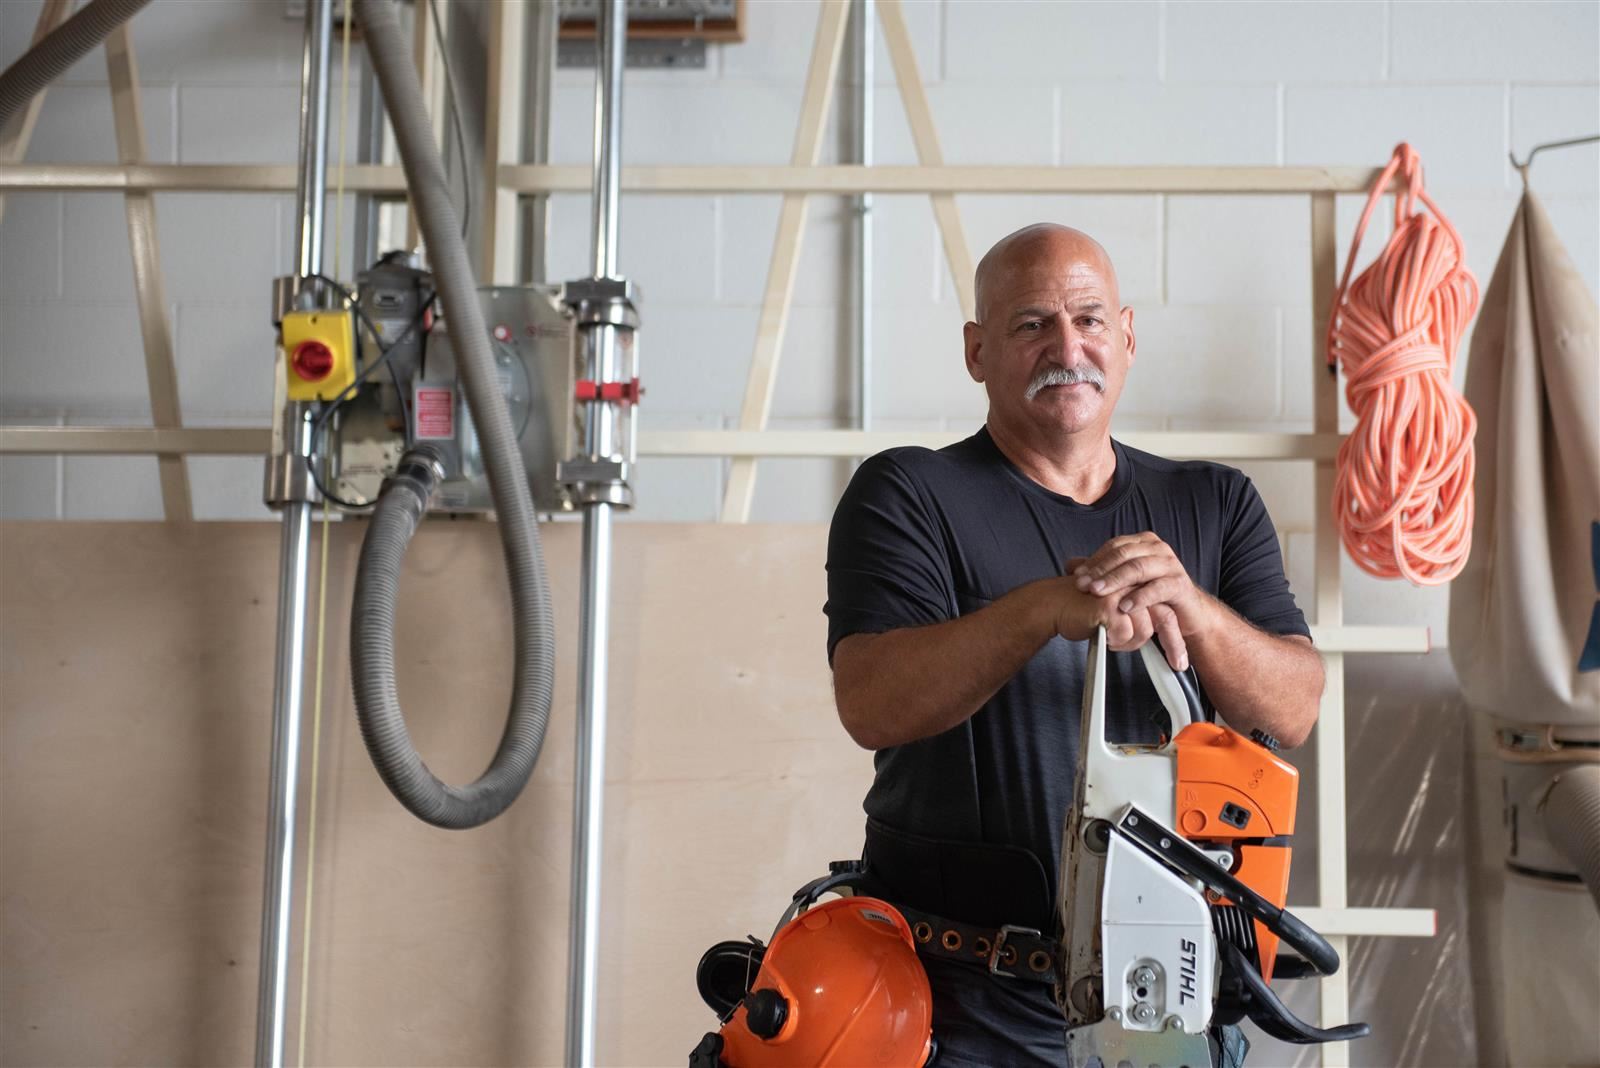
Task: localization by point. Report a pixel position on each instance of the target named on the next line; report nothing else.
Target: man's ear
(1127, 331)
(972, 341)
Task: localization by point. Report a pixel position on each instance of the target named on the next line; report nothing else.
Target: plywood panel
(135, 691)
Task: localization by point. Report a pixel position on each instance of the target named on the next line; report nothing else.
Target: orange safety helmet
(840, 986)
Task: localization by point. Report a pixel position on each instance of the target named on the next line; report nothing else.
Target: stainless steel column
(288, 685)
(865, 35)
(533, 212)
(595, 593)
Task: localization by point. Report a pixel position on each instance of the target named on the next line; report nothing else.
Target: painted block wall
(1220, 284)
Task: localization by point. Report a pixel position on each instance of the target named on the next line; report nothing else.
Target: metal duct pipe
(277, 907)
(60, 49)
(865, 15)
(600, 440)
(1572, 820)
(611, 38)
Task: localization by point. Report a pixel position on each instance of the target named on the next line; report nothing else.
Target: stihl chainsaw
(1174, 874)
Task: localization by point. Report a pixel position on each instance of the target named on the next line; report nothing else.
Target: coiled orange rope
(1403, 493)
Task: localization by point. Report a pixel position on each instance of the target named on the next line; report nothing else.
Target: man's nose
(1071, 346)
(1065, 342)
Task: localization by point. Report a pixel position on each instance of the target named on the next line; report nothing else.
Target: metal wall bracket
(597, 301)
(591, 481)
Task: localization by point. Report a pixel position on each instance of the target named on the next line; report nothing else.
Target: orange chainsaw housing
(1235, 793)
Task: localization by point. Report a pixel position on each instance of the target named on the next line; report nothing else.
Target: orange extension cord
(1403, 493)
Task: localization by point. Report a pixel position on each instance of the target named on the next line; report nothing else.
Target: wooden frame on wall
(797, 180)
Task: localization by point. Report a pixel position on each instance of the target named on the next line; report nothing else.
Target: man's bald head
(1025, 248)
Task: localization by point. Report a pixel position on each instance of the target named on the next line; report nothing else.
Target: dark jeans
(985, 1022)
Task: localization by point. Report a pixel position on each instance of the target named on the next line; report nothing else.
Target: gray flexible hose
(1572, 820)
(60, 49)
(405, 499)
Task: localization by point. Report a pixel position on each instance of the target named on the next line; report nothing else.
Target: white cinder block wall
(1220, 284)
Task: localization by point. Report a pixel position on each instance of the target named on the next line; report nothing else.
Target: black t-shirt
(921, 537)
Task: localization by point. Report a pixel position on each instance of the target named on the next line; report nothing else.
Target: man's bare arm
(1257, 679)
(903, 685)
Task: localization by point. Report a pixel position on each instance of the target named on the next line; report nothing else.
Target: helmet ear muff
(726, 972)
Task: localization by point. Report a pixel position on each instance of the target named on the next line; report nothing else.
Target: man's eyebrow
(1034, 311)
(1086, 306)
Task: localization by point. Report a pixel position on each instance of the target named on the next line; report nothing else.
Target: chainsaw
(1174, 874)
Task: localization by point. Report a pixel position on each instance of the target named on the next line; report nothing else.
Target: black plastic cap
(1265, 740)
(708, 1054)
(765, 1011)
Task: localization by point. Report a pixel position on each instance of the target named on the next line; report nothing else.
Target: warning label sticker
(434, 411)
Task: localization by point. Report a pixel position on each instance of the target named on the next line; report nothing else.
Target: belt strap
(1008, 951)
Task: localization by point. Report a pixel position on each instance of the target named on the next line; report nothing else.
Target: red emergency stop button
(312, 360)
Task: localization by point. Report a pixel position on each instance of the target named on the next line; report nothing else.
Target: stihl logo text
(1186, 955)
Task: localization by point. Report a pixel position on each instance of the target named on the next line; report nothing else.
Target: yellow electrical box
(319, 354)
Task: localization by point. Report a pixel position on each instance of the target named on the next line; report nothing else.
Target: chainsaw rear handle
(1269, 1013)
(1317, 951)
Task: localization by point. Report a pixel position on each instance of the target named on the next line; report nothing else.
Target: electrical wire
(376, 333)
(329, 408)
(1403, 488)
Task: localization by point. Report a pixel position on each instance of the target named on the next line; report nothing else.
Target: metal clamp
(591, 481)
(998, 952)
(602, 301)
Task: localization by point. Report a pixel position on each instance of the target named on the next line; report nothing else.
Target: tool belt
(1008, 951)
(977, 904)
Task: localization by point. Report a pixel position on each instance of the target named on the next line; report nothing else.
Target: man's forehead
(1062, 263)
(1051, 301)
(1049, 285)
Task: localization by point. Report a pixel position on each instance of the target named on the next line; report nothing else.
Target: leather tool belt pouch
(984, 905)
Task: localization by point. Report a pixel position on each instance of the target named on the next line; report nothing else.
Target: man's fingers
(1096, 574)
(1135, 629)
(1172, 643)
(1135, 571)
(1118, 633)
(1098, 565)
(1156, 591)
(1112, 553)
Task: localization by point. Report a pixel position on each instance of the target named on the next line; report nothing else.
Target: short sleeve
(887, 558)
(1253, 583)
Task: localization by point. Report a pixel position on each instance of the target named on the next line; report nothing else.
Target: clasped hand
(1136, 587)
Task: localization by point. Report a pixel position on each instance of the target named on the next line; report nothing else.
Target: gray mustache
(1066, 376)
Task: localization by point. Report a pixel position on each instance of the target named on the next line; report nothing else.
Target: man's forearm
(1257, 679)
(902, 685)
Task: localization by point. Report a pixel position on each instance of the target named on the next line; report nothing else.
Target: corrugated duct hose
(1572, 820)
(60, 49)
(405, 498)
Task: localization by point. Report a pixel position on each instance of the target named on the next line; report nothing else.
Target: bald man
(962, 586)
